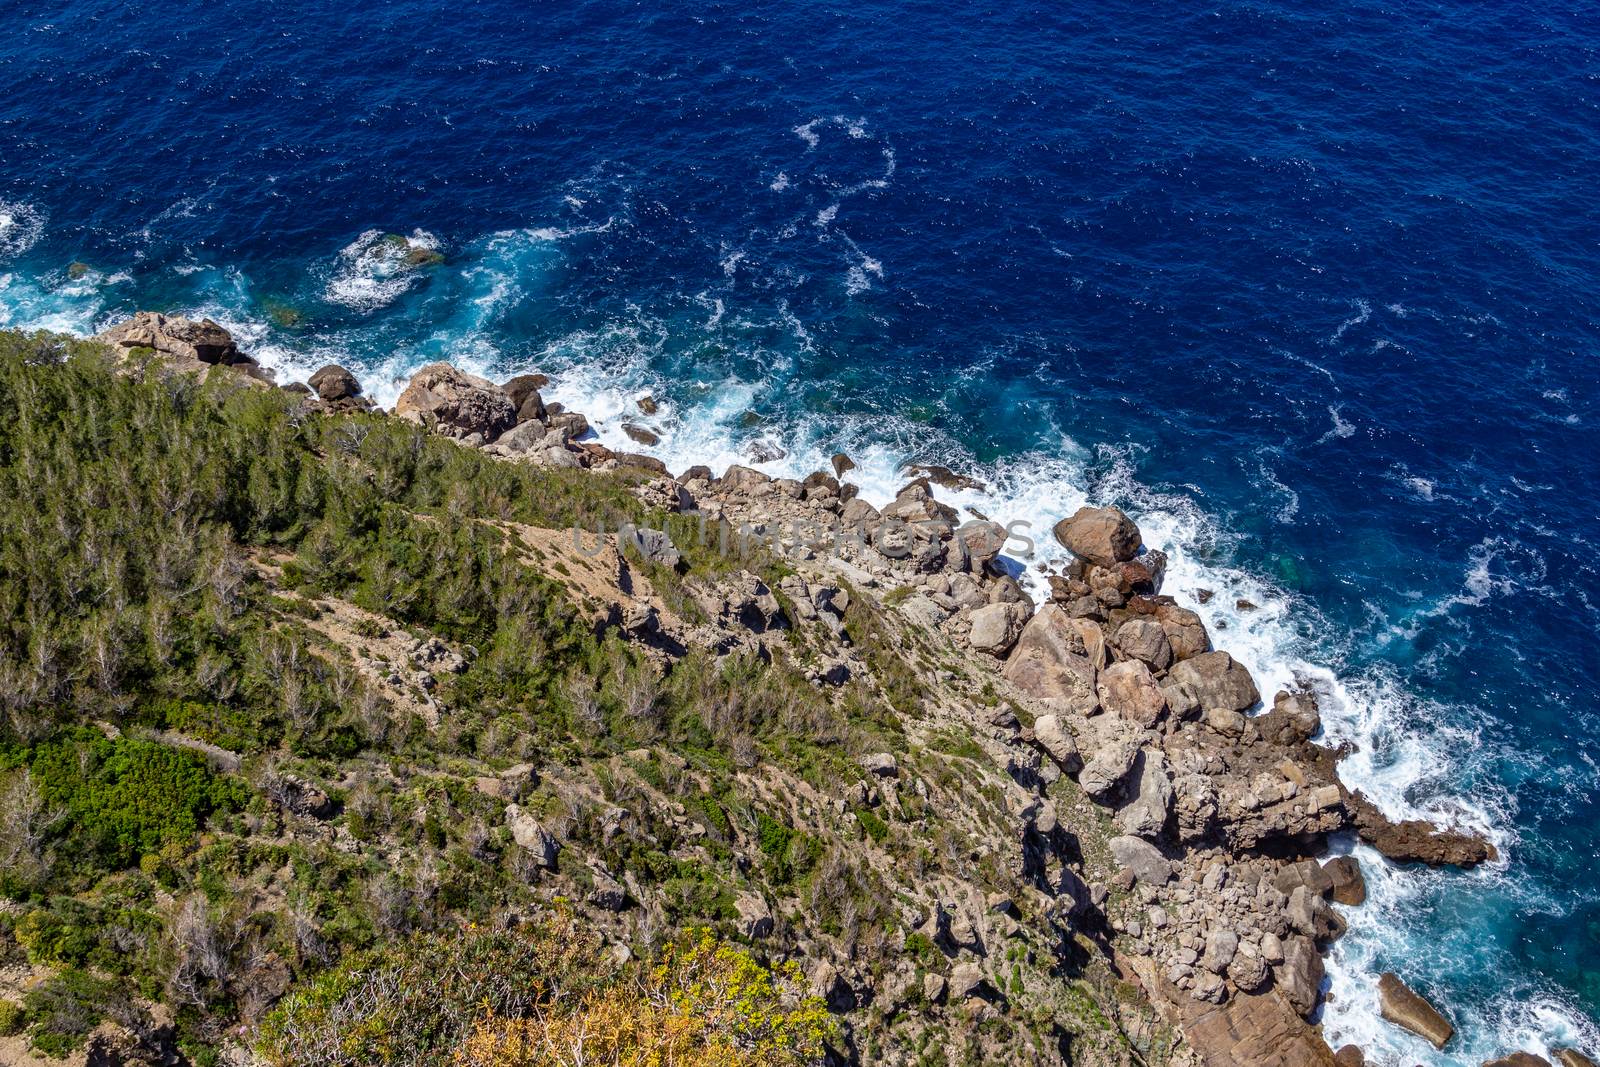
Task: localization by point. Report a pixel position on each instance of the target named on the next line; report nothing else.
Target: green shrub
(875, 827)
(13, 1018)
(124, 798)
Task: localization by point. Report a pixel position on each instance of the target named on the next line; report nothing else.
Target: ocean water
(1313, 291)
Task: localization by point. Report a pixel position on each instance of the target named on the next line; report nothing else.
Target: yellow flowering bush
(703, 1004)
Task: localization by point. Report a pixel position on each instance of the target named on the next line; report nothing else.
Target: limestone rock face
(1261, 1031)
(1409, 1011)
(455, 403)
(1104, 536)
(1217, 681)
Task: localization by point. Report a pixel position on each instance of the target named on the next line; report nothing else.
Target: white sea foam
(372, 271)
(21, 225)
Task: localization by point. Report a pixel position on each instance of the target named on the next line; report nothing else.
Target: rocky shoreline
(1205, 884)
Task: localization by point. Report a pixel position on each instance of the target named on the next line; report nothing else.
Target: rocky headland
(1127, 803)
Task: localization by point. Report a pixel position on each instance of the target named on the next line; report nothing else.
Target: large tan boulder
(450, 401)
(1262, 1031)
(1217, 681)
(1055, 660)
(995, 627)
(333, 383)
(1100, 535)
(1129, 689)
(1408, 1010)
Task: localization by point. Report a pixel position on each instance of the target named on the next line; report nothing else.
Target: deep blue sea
(1312, 289)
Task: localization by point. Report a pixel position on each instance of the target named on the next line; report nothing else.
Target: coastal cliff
(462, 668)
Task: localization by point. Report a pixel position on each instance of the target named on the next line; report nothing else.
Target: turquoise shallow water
(1312, 291)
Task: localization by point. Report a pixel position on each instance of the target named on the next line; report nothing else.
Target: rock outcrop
(185, 345)
(457, 404)
(1408, 1010)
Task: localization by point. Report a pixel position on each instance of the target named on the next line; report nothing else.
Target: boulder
(1217, 681)
(1571, 1057)
(1057, 741)
(1116, 748)
(1300, 974)
(640, 434)
(1186, 633)
(741, 477)
(523, 392)
(1149, 803)
(1518, 1059)
(995, 627)
(966, 980)
(1294, 718)
(1248, 972)
(934, 986)
(1145, 641)
(882, 764)
(1129, 689)
(1416, 840)
(842, 464)
(607, 894)
(1100, 535)
(571, 424)
(531, 837)
(1349, 886)
(1400, 1005)
(452, 402)
(333, 383)
(982, 542)
(1221, 947)
(1350, 1056)
(1052, 660)
(1142, 858)
(755, 917)
(527, 437)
